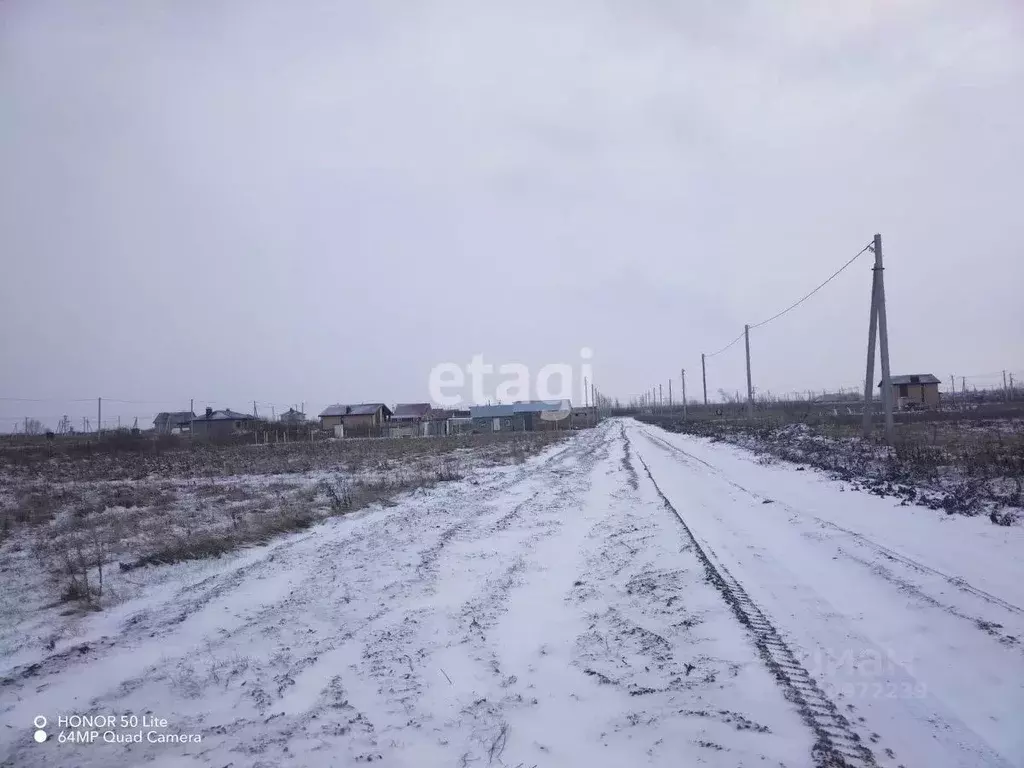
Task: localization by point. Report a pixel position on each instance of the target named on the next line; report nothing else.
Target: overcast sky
(319, 201)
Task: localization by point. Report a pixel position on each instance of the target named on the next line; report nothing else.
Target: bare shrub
(339, 495)
(448, 472)
(75, 555)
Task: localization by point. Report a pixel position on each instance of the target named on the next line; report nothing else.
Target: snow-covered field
(628, 597)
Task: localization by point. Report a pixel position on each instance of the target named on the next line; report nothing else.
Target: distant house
(545, 414)
(410, 420)
(446, 421)
(223, 423)
(915, 390)
(497, 418)
(292, 416)
(583, 417)
(171, 422)
(524, 416)
(361, 420)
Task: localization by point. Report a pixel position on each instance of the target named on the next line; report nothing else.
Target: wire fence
(78, 415)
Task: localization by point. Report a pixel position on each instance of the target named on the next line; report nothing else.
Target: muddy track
(836, 745)
(890, 554)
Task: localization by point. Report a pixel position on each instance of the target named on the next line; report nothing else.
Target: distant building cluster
(381, 420)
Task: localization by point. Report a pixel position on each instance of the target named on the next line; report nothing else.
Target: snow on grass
(77, 545)
(547, 613)
(971, 467)
(910, 619)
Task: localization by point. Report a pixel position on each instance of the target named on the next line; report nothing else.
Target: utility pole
(1006, 390)
(661, 397)
(750, 386)
(883, 344)
(869, 376)
(682, 375)
(704, 377)
(586, 393)
(99, 416)
(877, 323)
(192, 417)
(670, 394)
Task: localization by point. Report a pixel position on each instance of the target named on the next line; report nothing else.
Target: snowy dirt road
(629, 597)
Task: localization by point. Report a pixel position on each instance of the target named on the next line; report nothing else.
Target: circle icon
(40, 736)
(39, 722)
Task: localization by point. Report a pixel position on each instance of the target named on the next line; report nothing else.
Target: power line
(805, 298)
(725, 347)
(797, 303)
(47, 400)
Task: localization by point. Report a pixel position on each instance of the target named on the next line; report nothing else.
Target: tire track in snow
(534, 520)
(955, 581)
(837, 745)
(309, 617)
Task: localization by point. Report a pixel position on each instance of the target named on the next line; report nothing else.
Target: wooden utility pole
(704, 377)
(670, 393)
(661, 397)
(877, 323)
(682, 375)
(99, 416)
(192, 417)
(1006, 389)
(586, 393)
(750, 385)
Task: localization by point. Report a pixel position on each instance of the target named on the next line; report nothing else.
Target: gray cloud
(319, 201)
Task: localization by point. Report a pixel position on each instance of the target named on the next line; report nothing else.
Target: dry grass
(967, 466)
(82, 518)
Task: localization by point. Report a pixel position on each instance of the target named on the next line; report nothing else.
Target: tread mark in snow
(956, 581)
(837, 745)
